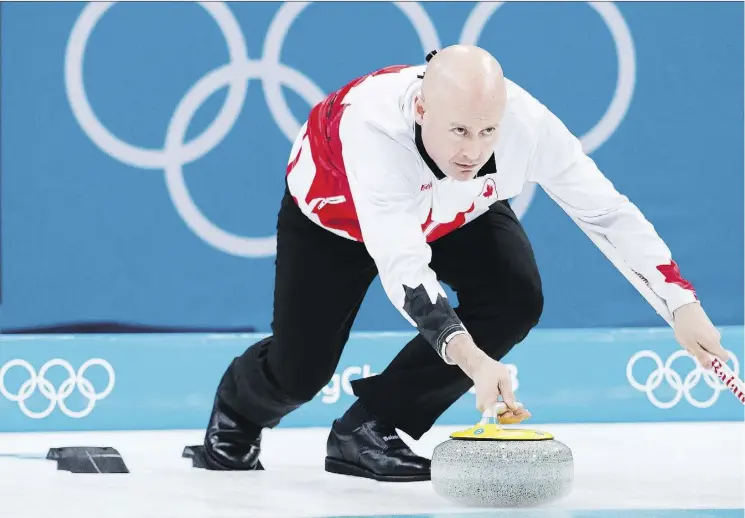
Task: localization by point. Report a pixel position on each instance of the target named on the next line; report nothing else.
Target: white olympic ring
(56, 397)
(681, 386)
(176, 153)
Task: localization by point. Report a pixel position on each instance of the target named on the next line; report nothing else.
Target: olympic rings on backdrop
(682, 386)
(57, 395)
(177, 152)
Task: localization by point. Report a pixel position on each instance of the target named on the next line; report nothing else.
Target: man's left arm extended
(575, 183)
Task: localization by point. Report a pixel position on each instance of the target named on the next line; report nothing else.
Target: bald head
(463, 71)
(459, 108)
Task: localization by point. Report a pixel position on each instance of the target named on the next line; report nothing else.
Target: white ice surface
(640, 466)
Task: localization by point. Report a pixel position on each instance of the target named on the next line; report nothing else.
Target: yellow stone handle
(491, 414)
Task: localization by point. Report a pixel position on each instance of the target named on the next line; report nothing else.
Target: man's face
(460, 135)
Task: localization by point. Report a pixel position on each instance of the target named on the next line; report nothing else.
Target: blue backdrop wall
(141, 175)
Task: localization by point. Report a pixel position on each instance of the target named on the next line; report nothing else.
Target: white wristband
(447, 341)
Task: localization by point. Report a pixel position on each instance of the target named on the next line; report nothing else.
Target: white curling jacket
(356, 170)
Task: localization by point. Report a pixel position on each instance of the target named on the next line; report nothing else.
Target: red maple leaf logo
(673, 276)
(489, 189)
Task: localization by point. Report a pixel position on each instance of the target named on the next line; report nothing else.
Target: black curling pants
(321, 280)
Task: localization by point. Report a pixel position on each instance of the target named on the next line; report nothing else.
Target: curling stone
(491, 466)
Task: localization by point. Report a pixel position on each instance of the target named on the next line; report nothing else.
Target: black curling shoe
(231, 442)
(361, 446)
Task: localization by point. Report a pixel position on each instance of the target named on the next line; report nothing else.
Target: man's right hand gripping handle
(490, 377)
